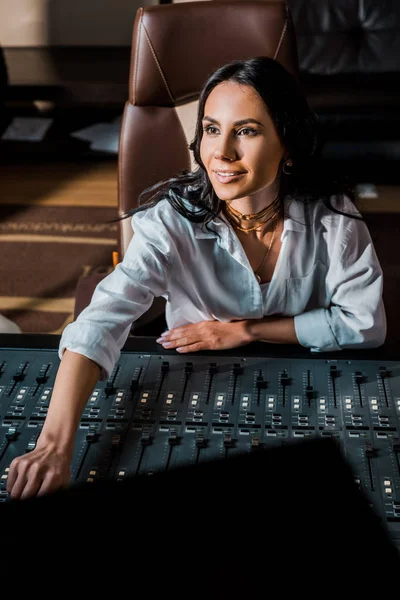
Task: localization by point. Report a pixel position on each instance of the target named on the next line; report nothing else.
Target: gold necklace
(256, 227)
(247, 217)
(256, 273)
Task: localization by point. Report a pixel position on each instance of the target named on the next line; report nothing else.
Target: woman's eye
(247, 131)
(210, 130)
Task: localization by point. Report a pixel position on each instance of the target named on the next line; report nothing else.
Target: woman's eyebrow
(236, 123)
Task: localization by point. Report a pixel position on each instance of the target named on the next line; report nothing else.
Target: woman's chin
(228, 195)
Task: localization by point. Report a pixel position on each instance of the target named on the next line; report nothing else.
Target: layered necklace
(261, 218)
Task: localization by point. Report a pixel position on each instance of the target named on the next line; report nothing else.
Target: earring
(287, 163)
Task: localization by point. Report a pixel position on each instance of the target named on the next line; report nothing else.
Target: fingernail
(167, 344)
(160, 339)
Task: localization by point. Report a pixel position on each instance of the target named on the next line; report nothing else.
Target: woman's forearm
(76, 377)
(275, 330)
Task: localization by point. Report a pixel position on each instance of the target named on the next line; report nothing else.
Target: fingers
(191, 348)
(184, 344)
(189, 338)
(175, 338)
(184, 341)
(50, 484)
(24, 479)
(28, 477)
(31, 487)
(172, 334)
(12, 476)
(206, 335)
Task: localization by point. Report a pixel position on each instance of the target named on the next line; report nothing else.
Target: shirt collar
(295, 215)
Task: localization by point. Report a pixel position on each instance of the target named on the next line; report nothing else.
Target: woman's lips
(227, 177)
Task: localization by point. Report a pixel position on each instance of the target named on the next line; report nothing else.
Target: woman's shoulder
(333, 211)
(344, 204)
(162, 214)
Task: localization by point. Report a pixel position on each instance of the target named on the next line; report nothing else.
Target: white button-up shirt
(327, 277)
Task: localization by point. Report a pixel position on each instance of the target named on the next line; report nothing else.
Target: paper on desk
(103, 136)
(366, 190)
(27, 129)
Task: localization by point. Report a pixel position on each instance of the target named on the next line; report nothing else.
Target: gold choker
(247, 217)
(234, 215)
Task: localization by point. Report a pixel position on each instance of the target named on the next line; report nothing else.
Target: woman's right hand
(47, 467)
(43, 470)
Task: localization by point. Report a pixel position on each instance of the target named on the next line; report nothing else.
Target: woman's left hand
(206, 335)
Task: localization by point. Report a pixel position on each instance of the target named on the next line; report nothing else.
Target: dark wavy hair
(191, 192)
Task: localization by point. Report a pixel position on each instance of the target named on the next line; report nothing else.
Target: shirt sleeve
(101, 329)
(356, 315)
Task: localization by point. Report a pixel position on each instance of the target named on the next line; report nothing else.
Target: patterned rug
(45, 250)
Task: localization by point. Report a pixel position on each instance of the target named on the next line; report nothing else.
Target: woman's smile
(225, 177)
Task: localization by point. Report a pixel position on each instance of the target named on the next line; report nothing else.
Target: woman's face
(240, 147)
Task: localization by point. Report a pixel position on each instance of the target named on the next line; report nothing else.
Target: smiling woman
(255, 244)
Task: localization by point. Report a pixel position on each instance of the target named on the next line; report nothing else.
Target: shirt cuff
(313, 331)
(93, 342)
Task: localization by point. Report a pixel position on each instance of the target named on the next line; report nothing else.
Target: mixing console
(159, 411)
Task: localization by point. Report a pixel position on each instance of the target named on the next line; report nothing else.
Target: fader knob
(173, 439)
(359, 377)
(188, 368)
(261, 383)
(334, 372)
(201, 442)
(109, 388)
(309, 392)
(383, 372)
(145, 440)
(284, 379)
(92, 435)
(228, 441)
(237, 369)
(12, 433)
(116, 441)
(370, 451)
(41, 378)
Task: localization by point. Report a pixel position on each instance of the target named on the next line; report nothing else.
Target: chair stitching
(281, 38)
(122, 234)
(121, 156)
(136, 56)
(158, 65)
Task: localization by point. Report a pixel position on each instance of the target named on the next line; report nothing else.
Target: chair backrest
(175, 47)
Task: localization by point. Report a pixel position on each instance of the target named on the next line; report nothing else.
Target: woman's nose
(225, 149)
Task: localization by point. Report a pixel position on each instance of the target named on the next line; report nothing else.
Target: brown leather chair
(175, 47)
